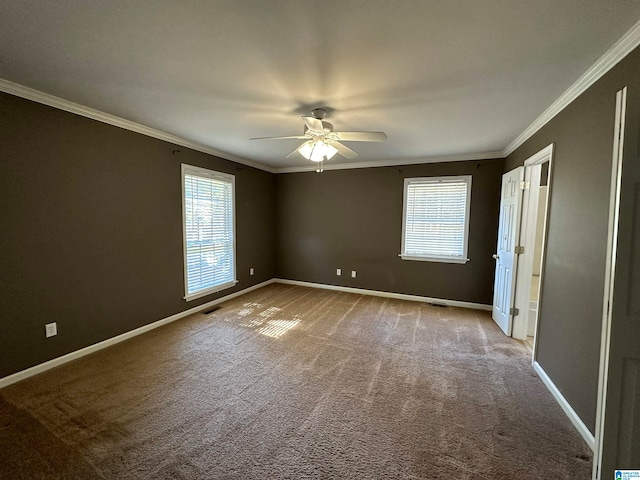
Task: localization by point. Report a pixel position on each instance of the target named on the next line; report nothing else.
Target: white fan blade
(361, 136)
(292, 154)
(297, 137)
(313, 124)
(343, 150)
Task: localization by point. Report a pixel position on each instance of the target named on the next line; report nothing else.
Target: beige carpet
(292, 383)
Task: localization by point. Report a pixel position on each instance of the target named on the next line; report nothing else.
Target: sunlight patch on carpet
(260, 320)
(248, 308)
(277, 328)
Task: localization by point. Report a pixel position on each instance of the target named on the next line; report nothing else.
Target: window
(208, 231)
(435, 223)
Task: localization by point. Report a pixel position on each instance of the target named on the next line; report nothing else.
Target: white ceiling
(442, 78)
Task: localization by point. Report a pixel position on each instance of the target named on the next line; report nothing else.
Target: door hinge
(519, 250)
(524, 185)
(514, 311)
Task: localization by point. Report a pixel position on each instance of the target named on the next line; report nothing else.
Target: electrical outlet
(251, 271)
(51, 329)
(353, 274)
(338, 271)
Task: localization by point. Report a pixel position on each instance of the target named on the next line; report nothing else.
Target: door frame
(527, 239)
(612, 240)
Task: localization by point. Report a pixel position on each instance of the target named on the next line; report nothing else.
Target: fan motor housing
(319, 113)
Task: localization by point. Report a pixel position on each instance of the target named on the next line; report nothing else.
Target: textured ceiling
(441, 78)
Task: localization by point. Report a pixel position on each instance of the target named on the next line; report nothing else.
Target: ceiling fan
(322, 143)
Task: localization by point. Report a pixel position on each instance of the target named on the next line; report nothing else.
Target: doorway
(541, 215)
(533, 233)
(539, 202)
(529, 248)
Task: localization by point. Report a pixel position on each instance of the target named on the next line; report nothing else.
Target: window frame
(436, 258)
(214, 175)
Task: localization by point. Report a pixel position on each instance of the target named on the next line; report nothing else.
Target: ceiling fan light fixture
(322, 143)
(317, 151)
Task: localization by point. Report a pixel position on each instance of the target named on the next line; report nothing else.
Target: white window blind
(209, 231)
(436, 218)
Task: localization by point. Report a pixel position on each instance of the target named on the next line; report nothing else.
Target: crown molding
(72, 107)
(393, 163)
(606, 62)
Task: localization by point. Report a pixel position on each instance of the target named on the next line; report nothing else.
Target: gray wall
(92, 230)
(572, 294)
(352, 219)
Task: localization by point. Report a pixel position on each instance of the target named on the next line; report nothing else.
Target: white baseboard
(564, 404)
(377, 293)
(43, 367)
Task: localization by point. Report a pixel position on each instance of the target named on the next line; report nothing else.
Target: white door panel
(506, 259)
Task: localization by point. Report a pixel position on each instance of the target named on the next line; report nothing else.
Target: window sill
(434, 259)
(209, 291)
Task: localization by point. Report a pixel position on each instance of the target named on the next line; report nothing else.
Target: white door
(506, 259)
(620, 436)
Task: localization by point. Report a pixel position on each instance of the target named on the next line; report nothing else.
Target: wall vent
(439, 305)
(211, 310)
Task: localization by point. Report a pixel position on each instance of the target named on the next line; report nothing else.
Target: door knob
(496, 256)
